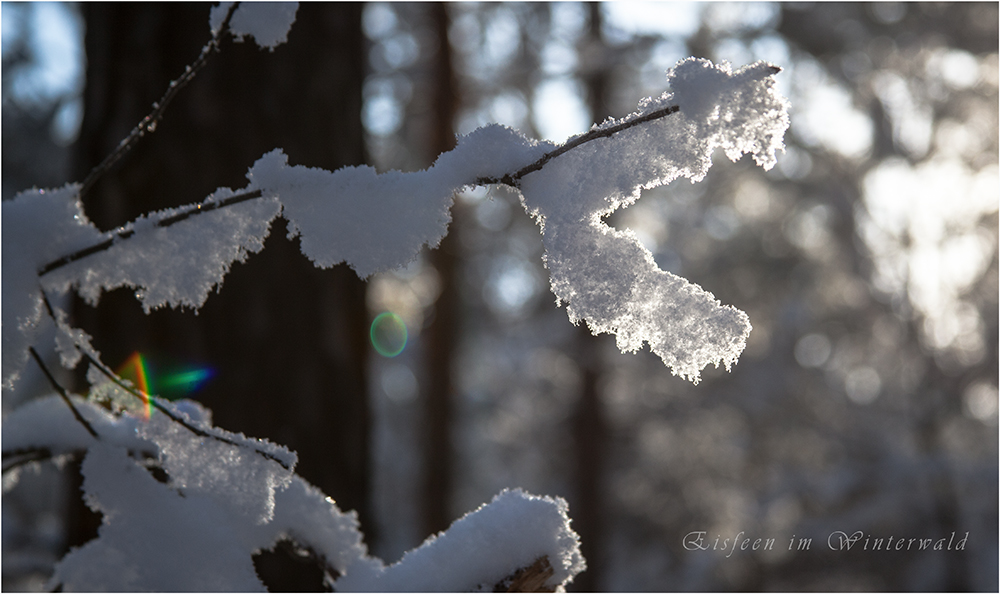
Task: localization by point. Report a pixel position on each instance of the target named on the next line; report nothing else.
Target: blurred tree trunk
(589, 423)
(287, 341)
(442, 334)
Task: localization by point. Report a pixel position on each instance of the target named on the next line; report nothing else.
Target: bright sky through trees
(55, 33)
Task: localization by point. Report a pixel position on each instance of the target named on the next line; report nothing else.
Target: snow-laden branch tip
(606, 276)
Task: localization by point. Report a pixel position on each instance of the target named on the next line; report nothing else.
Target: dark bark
(589, 425)
(287, 341)
(442, 334)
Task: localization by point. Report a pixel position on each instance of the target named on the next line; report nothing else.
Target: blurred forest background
(867, 260)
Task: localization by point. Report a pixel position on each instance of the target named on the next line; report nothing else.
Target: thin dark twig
(48, 306)
(203, 208)
(146, 398)
(63, 393)
(149, 123)
(512, 179)
(22, 457)
(165, 222)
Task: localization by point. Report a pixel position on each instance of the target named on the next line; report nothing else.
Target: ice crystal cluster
(227, 496)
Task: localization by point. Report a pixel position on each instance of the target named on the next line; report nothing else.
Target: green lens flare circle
(388, 334)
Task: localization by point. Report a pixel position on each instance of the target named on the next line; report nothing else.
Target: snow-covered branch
(62, 393)
(250, 503)
(122, 234)
(376, 221)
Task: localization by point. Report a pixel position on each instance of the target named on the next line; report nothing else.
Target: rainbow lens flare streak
(388, 334)
(186, 381)
(134, 369)
(137, 370)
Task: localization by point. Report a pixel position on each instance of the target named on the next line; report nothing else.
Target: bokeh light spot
(813, 350)
(388, 334)
(863, 385)
(186, 381)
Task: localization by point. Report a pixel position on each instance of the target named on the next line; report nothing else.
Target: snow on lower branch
(196, 525)
(182, 510)
(186, 511)
(154, 537)
(481, 549)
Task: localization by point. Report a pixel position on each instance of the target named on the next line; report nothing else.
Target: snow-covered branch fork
(221, 497)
